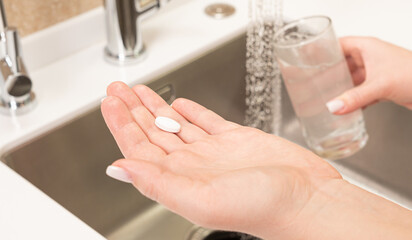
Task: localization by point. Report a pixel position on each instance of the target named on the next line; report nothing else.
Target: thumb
(353, 99)
(164, 186)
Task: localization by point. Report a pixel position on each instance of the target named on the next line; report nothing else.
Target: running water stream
(263, 78)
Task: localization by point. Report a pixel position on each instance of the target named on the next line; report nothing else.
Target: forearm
(343, 211)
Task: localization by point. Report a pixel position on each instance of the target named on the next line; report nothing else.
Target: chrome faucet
(16, 94)
(124, 39)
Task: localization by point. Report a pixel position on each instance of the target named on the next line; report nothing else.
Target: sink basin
(69, 162)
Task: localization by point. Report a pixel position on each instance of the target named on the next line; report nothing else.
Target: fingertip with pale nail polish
(335, 105)
(119, 173)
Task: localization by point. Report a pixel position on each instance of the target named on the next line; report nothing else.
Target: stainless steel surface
(220, 10)
(16, 96)
(198, 233)
(387, 158)
(124, 38)
(69, 163)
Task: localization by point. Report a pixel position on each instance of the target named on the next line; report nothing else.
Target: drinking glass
(315, 71)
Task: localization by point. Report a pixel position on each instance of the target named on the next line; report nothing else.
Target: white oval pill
(167, 124)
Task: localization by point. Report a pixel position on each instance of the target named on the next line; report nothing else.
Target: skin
(221, 175)
(380, 71)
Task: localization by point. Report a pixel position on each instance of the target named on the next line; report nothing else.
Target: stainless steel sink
(69, 162)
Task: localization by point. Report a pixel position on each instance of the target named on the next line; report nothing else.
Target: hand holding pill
(216, 173)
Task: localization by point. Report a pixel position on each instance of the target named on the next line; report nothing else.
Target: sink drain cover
(220, 10)
(199, 233)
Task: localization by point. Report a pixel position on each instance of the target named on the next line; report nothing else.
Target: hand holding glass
(315, 71)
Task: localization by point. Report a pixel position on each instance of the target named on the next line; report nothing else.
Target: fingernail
(119, 174)
(335, 105)
(103, 99)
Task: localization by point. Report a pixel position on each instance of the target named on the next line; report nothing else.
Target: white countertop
(70, 77)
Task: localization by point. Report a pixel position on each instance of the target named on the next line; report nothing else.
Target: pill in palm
(167, 124)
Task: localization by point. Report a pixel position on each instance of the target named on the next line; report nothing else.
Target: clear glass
(314, 70)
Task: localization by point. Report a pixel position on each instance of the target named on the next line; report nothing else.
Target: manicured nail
(103, 99)
(119, 174)
(335, 105)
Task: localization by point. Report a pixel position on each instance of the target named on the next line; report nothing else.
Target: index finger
(130, 138)
(352, 47)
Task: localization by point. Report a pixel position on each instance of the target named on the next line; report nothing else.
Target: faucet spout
(16, 94)
(124, 40)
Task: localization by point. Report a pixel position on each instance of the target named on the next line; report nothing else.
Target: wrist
(322, 199)
(339, 210)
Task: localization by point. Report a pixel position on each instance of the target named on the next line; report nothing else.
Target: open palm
(213, 172)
